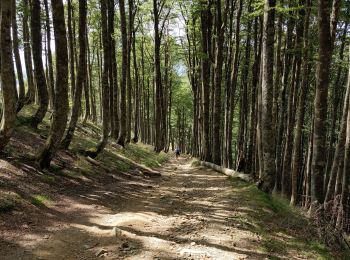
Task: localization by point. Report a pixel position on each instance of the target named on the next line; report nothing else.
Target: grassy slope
(40, 185)
(280, 228)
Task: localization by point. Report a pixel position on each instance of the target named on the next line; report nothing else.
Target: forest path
(188, 213)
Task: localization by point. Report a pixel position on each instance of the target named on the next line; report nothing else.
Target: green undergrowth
(281, 228)
(40, 200)
(86, 138)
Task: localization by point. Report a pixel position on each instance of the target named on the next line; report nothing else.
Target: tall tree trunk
(21, 92)
(123, 115)
(71, 48)
(320, 103)
(299, 126)
(205, 79)
(38, 64)
(60, 106)
(81, 77)
(50, 80)
(7, 75)
(30, 95)
(87, 93)
(137, 92)
(342, 214)
(159, 145)
(267, 180)
(105, 84)
(217, 85)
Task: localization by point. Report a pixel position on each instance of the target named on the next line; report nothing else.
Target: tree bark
(60, 106)
(123, 115)
(21, 92)
(50, 80)
(38, 64)
(217, 85)
(81, 77)
(267, 179)
(7, 75)
(320, 103)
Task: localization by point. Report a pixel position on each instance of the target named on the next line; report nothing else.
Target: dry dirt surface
(188, 213)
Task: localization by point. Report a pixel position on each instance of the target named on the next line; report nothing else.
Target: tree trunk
(297, 150)
(123, 115)
(71, 48)
(30, 95)
(105, 87)
(217, 85)
(81, 77)
(159, 144)
(60, 106)
(205, 80)
(38, 64)
(267, 180)
(50, 80)
(21, 92)
(7, 75)
(320, 103)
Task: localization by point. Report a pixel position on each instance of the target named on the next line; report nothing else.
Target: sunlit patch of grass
(282, 228)
(40, 200)
(145, 154)
(195, 163)
(110, 160)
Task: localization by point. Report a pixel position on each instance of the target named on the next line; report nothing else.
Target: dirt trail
(188, 213)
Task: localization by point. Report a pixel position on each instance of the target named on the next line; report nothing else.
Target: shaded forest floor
(78, 210)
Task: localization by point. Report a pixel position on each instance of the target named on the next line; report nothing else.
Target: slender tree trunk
(297, 150)
(123, 115)
(159, 144)
(30, 95)
(71, 48)
(81, 77)
(87, 93)
(217, 85)
(267, 180)
(105, 84)
(137, 92)
(60, 106)
(7, 75)
(346, 170)
(320, 103)
(50, 81)
(38, 64)
(205, 79)
(21, 92)
(113, 75)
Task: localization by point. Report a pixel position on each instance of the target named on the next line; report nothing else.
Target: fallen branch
(226, 171)
(143, 168)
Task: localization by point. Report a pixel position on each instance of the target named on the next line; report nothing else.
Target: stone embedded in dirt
(193, 243)
(118, 232)
(101, 252)
(46, 236)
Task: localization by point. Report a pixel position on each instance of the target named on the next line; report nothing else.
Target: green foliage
(40, 200)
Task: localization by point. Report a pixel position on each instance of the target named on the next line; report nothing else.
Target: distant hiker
(177, 152)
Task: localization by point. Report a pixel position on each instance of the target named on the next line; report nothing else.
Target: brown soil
(188, 213)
